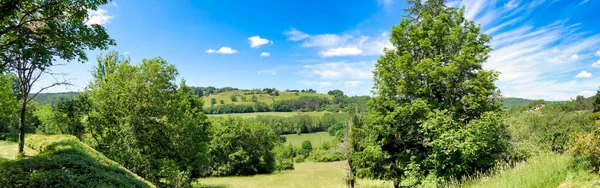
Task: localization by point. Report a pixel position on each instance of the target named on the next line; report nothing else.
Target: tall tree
(35, 32)
(140, 118)
(436, 113)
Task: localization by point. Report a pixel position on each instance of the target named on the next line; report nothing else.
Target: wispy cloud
(99, 17)
(340, 70)
(295, 35)
(223, 50)
(320, 84)
(341, 52)
(342, 44)
(265, 54)
(534, 60)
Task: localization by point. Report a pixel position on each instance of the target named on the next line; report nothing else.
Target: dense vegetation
(64, 161)
(435, 116)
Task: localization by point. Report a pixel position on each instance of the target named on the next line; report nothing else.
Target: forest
(435, 117)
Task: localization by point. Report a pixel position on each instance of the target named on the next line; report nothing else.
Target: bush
(587, 146)
(241, 147)
(299, 158)
(13, 137)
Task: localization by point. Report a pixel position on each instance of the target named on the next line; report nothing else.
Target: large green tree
(33, 33)
(436, 113)
(140, 118)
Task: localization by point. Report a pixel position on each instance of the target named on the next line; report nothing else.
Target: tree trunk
(22, 125)
(396, 184)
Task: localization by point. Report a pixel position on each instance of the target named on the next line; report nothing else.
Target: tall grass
(544, 170)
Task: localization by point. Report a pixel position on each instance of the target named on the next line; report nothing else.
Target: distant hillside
(264, 98)
(510, 102)
(53, 98)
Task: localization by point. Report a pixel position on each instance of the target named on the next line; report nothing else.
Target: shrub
(299, 158)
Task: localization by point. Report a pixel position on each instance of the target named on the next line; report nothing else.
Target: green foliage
(241, 147)
(254, 98)
(233, 98)
(8, 104)
(597, 101)
(54, 98)
(221, 102)
(436, 112)
(213, 101)
(301, 123)
(67, 118)
(306, 147)
(511, 102)
(284, 157)
(534, 132)
(63, 161)
(140, 118)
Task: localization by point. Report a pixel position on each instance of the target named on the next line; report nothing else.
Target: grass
(306, 174)
(316, 139)
(9, 150)
(265, 98)
(546, 170)
(63, 161)
(280, 114)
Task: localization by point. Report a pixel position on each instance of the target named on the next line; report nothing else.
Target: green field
(306, 174)
(265, 98)
(280, 114)
(315, 138)
(9, 150)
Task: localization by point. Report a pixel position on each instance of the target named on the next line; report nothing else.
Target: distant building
(539, 106)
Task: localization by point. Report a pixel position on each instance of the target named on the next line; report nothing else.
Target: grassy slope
(547, 170)
(510, 102)
(9, 150)
(281, 114)
(304, 175)
(64, 161)
(316, 139)
(268, 99)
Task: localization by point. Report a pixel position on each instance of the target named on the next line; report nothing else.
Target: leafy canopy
(436, 113)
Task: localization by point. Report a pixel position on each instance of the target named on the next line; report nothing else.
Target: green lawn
(268, 99)
(281, 114)
(9, 150)
(304, 175)
(315, 138)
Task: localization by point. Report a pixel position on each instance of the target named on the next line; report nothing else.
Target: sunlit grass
(316, 139)
(304, 175)
(545, 170)
(280, 114)
(9, 150)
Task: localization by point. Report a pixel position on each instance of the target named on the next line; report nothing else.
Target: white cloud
(265, 54)
(584, 74)
(256, 41)
(341, 52)
(352, 83)
(99, 17)
(347, 44)
(597, 53)
(511, 4)
(126, 53)
(574, 57)
(320, 84)
(587, 93)
(340, 70)
(596, 64)
(271, 72)
(114, 4)
(222, 50)
(295, 35)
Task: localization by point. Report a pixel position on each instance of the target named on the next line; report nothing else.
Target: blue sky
(545, 49)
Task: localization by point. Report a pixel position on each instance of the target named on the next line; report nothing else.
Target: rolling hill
(264, 98)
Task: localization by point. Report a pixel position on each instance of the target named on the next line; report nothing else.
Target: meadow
(264, 98)
(306, 174)
(315, 138)
(279, 114)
